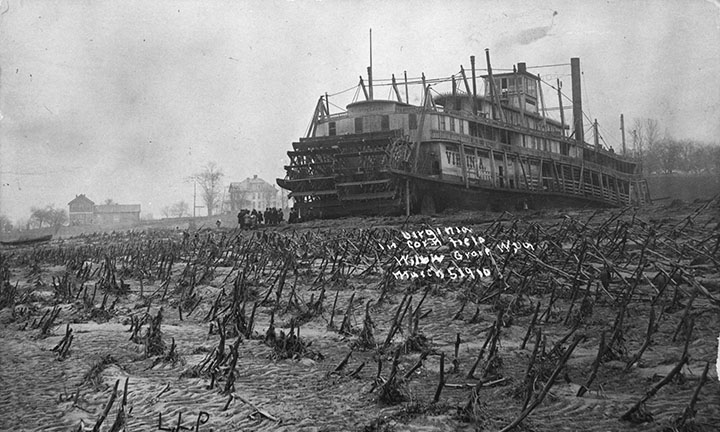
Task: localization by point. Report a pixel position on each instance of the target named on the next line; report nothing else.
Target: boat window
(332, 130)
(359, 125)
(504, 136)
(385, 123)
(564, 149)
(473, 130)
(412, 120)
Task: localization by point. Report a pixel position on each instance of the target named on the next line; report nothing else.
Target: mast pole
(456, 103)
(542, 101)
(464, 77)
(474, 85)
(597, 137)
(622, 130)
(370, 81)
(597, 141)
(395, 88)
(362, 84)
(407, 97)
(562, 110)
(495, 105)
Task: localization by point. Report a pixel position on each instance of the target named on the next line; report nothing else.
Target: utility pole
(194, 196)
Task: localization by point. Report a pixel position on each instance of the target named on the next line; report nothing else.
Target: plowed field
(341, 325)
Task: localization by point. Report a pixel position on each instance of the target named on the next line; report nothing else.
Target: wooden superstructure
(497, 150)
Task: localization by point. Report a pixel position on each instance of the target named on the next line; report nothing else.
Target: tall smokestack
(577, 100)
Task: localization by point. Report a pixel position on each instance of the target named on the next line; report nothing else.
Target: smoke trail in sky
(528, 36)
(715, 2)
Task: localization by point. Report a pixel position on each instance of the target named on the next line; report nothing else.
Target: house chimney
(521, 68)
(255, 176)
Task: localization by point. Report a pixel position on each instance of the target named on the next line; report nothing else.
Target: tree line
(40, 217)
(663, 154)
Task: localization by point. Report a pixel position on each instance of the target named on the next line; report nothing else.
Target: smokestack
(577, 100)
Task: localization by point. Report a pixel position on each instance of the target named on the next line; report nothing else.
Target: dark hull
(429, 195)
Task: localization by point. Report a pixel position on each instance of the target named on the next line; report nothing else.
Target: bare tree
(180, 209)
(669, 155)
(646, 138)
(210, 181)
(38, 217)
(47, 216)
(57, 217)
(5, 224)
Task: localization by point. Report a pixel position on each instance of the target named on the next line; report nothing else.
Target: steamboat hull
(429, 196)
(494, 152)
(374, 174)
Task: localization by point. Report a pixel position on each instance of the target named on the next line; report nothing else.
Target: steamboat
(490, 149)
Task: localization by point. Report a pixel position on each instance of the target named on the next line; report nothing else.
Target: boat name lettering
(435, 232)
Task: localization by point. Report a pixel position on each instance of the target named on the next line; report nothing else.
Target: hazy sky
(126, 99)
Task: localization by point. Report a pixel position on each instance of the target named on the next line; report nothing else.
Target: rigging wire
(547, 66)
(336, 106)
(343, 91)
(585, 115)
(458, 77)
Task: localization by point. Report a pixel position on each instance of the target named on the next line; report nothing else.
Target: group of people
(294, 217)
(250, 219)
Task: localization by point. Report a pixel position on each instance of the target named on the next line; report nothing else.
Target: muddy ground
(306, 327)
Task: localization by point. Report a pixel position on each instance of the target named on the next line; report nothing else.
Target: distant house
(81, 210)
(253, 194)
(113, 214)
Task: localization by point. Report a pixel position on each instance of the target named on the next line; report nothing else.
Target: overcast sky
(126, 99)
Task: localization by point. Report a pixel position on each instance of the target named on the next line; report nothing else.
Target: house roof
(254, 184)
(117, 208)
(81, 199)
